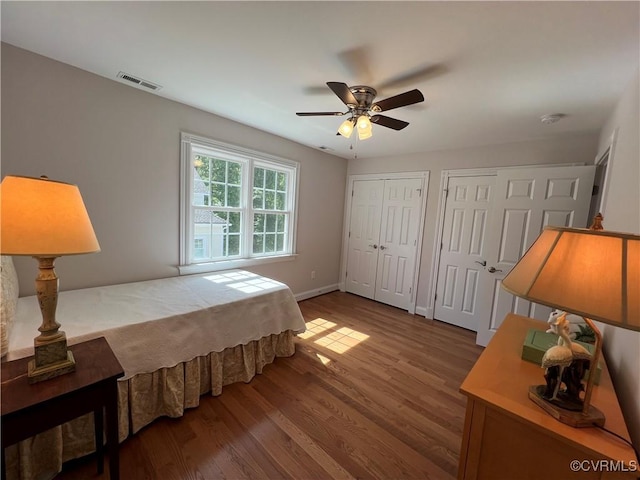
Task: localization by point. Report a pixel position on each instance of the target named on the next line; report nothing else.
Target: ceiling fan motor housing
(365, 96)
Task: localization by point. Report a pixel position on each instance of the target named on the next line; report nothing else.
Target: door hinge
(410, 289)
(349, 234)
(446, 192)
(352, 192)
(595, 190)
(419, 191)
(435, 297)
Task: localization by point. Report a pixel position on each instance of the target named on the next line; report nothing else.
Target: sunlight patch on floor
(341, 340)
(323, 359)
(315, 327)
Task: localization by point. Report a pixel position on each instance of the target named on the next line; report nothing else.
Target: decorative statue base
(573, 418)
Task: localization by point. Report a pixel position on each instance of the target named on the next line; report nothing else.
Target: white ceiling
(488, 70)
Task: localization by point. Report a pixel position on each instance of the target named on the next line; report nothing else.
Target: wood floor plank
(372, 392)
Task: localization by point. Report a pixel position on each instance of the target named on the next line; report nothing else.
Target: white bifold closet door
(384, 226)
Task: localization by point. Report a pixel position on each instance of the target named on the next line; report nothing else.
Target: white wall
(121, 146)
(570, 149)
(622, 213)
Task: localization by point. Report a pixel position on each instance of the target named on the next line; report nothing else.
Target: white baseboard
(315, 292)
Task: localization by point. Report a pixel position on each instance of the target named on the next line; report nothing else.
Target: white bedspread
(160, 323)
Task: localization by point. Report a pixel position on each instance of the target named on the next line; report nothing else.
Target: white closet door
(464, 250)
(526, 201)
(364, 233)
(401, 210)
(384, 225)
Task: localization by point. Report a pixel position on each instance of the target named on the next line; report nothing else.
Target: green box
(538, 341)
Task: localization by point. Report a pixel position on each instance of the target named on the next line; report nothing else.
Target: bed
(176, 339)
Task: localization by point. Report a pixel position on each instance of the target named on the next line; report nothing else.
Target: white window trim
(245, 155)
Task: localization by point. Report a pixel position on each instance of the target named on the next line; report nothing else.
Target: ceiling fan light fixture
(364, 134)
(364, 123)
(365, 130)
(346, 128)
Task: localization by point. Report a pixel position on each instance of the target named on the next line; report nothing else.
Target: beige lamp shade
(591, 273)
(42, 217)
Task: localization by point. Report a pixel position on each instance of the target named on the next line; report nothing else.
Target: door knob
(374, 246)
(382, 247)
(483, 263)
(493, 270)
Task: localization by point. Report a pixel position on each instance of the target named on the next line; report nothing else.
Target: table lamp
(45, 219)
(589, 272)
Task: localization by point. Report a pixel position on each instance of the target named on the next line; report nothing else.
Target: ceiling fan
(363, 111)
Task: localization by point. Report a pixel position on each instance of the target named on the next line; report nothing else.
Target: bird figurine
(555, 360)
(560, 357)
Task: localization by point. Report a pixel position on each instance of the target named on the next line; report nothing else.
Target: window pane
(258, 198)
(200, 193)
(258, 177)
(282, 182)
(219, 171)
(281, 201)
(235, 221)
(270, 243)
(280, 242)
(233, 196)
(217, 195)
(271, 223)
(234, 244)
(235, 172)
(258, 244)
(258, 222)
(280, 223)
(269, 200)
(270, 179)
(201, 167)
(218, 237)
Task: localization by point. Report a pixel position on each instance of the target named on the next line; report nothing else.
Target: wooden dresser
(507, 436)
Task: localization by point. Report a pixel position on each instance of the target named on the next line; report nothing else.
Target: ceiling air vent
(138, 81)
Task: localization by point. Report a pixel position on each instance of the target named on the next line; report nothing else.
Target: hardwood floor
(372, 392)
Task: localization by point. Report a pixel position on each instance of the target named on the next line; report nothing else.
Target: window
(237, 206)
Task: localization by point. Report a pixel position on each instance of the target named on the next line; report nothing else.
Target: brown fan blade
(343, 93)
(389, 122)
(402, 100)
(320, 114)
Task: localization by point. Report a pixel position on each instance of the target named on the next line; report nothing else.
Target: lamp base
(571, 417)
(52, 359)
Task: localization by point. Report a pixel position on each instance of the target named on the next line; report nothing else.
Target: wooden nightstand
(31, 409)
(507, 436)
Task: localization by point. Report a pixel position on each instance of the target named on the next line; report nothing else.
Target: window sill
(231, 264)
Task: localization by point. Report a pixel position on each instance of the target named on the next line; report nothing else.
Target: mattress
(161, 323)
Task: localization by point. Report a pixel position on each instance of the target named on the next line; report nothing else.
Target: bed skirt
(143, 398)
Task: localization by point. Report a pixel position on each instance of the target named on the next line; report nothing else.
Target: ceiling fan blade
(356, 62)
(319, 114)
(402, 100)
(389, 122)
(414, 76)
(343, 93)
